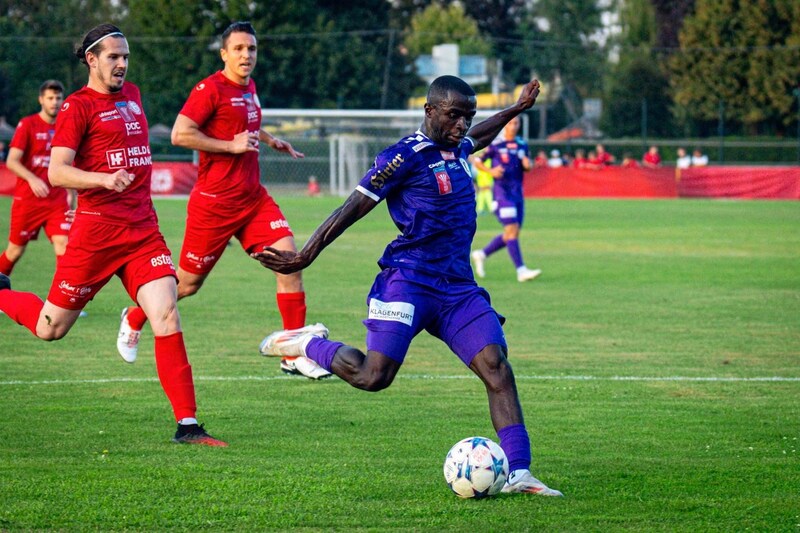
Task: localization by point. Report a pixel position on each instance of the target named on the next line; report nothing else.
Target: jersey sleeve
(202, 102)
(21, 138)
(71, 126)
(488, 154)
(523, 151)
(387, 172)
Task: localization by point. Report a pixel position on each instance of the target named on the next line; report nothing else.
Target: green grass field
(645, 358)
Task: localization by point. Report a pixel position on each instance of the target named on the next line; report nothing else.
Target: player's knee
(493, 368)
(13, 253)
(49, 334)
(165, 321)
(188, 288)
(373, 383)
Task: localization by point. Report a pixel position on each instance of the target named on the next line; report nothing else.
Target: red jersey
(33, 136)
(109, 132)
(223, 108)
(653, 159)
(605, 158)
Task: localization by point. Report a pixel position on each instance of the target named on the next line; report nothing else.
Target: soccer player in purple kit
(509, 157)
(426, 281)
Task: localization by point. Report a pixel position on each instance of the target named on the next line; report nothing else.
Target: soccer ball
(475, 467)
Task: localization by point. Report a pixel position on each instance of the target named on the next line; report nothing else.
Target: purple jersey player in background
(510, 160)
(426, 281)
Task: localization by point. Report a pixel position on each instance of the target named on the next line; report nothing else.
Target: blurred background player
(484, 182)
(36, 203)
(425, 282)
(222, 120)
(510, 160)
(101, 148)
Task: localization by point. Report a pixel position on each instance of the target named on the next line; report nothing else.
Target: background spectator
(313, 186)
(604, 158)
(580, 160)
(651, 159)
(683, 161)
(541, 160)
(628, 161)
(3, 151)
(699, 159)
(555, 160)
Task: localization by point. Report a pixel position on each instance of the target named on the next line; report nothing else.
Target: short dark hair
(90, 41)
(240, 26)
(51, 85)
(446, 84)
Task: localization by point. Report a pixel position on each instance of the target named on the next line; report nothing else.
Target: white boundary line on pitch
(713, 379)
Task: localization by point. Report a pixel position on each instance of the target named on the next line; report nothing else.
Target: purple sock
(495, 244)
(514, 252)
(321, 351)
(515, 442)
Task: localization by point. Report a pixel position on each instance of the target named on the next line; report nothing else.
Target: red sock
(21, 307)
(6, 266)
(175, 374)
(136, 318)
(292, 306)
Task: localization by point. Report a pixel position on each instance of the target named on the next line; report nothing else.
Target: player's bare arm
(496, 172)
(63, 174)
(485, 132)
(14, 164)
(353, 209)
(279, 145)
(186, 133)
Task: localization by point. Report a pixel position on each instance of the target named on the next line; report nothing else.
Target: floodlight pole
(796, 93)
(721, 131)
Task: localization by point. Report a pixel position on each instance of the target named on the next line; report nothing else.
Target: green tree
(745, 54)
(566, 47)
(439, 24)
(637, 81)
(36, 43)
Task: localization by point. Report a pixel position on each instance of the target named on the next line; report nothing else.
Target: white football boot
(127, 339)
(526, 274)
(523, 481)
(291, 342)
(478, 257)
(303, 366)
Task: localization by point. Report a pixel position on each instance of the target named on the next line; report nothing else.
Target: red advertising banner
(740, 182)
(609, 182)
(699, 182)
(167, 179)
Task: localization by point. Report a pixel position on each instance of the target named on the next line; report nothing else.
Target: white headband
(101, 38)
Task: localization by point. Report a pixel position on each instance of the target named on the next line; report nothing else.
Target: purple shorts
(510, 212)
(403, 302)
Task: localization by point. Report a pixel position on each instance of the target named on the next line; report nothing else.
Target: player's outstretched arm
(353, 209)
(485, 132)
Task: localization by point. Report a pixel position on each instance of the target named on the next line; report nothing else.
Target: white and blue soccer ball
(476, 467)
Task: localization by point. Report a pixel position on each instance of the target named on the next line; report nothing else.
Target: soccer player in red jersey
(36, 204)
(101, 149)
(222, 120)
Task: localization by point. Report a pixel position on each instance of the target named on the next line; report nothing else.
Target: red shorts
(97, 251)
(210, 224)
(28, 216)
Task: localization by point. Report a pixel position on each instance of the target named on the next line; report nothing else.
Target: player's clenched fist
(119, 180)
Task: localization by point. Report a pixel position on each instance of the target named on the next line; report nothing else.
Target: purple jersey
(509, 155)
(431, 199)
